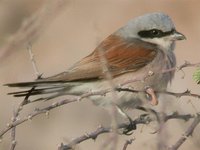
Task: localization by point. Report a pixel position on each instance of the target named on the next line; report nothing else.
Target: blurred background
(67, 36)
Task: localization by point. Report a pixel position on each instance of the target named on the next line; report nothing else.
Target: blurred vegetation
(196, 76)
(12, 14)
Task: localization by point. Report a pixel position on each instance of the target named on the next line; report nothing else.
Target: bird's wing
(121, 56)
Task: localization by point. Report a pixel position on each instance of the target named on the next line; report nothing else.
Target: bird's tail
(48, 89)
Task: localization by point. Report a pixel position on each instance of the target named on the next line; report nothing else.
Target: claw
(129, 129)
(151, 92)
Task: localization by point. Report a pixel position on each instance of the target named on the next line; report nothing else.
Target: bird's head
(156, 28)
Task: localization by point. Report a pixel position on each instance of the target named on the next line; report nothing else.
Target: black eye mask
(154, 33)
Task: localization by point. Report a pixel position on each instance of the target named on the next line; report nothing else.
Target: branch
(178, 95)
(188, 64)
(150, 73)
(66, 101)
(14, 119)
(127, 143)
(33, 62)
(36, 112)
(142, 78)
(142, 119)
(187, 133)
(15, 122)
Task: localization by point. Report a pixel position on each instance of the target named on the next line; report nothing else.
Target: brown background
(74, 33)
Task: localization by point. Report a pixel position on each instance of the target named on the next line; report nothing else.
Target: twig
(93, 135)
(24, 102)
(162, 132)
(178, 95)
(13, 132)
(142, 119)
(143, 78)
(34, 114)
(121, 89)
(187, 133)
(178, 116)
(188, 64)
(150, 73)
(35, 68)
(14, 119)
(113, 112)
(128, 142)
(93, 93)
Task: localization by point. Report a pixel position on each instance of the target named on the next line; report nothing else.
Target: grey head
(156, 28)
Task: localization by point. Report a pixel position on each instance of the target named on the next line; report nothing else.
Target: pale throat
(163, 43)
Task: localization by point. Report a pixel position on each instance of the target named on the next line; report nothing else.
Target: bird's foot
(130, 127)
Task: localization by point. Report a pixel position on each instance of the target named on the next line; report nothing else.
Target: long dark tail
(52, 88)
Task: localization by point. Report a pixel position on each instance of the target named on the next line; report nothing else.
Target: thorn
(87, 135)
(8, 125)
(100, 126)
(14, 142)
(175, 113)
(183, 74)
(47, 113)
(130, 141)
(17, 119)
(79, 99)
(187, 91)
(13, 119)
(184, 136)
(53, 104)
(30, 117)
(119, 86)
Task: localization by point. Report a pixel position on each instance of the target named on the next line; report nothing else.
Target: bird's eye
(155, 32)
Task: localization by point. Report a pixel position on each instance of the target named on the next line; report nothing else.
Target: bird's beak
(177, 36)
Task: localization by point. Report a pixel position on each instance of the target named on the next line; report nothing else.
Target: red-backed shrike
(144, 44)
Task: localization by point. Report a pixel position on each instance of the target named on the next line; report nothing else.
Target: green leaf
(196, 76)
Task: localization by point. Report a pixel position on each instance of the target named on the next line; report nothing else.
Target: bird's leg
(153, 98)
(131, 126)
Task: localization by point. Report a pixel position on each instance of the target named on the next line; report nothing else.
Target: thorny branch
(141, 78)
(187, 133)
(17, 121)
(36, 112)
(66, 101)
(35, 68)
(127, 143)
(150, 73)
(48, 108)
(178, 95)
(188, 64)
(15, 118)
(142, 119)
(24, 102)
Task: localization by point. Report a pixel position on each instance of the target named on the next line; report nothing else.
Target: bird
(144, 44)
